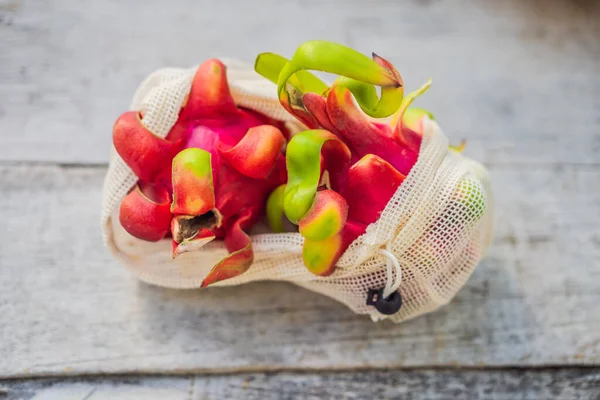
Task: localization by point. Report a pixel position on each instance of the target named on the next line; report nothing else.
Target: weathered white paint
(518, 79)
(509, 384)
(515, 78)
(123, 388)
(67, 308)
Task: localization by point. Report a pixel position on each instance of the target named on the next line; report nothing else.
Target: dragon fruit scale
(208, 179)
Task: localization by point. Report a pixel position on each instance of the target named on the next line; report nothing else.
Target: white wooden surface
(511, 76)
(567, 384)
(519, 80)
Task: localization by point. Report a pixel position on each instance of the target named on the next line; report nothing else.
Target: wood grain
(509, 384)
(518, 79)
(69, 309)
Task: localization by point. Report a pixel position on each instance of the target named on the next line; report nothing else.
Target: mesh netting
(437, 225)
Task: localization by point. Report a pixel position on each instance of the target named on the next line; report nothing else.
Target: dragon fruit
(208, 179)
(222, 167)
(343, 170)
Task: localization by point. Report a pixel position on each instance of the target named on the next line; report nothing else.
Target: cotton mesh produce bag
(427, 242)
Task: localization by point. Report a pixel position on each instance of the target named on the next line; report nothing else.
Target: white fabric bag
(428, 241)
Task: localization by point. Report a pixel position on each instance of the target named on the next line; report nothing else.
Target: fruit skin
(214, 172)
(146, 154)
(372, 181)
(326, 217)
(192, 177)
(145, 212)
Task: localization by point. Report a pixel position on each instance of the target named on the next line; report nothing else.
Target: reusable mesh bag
(426, 244)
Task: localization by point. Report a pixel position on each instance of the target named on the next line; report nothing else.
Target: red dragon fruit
(344, 170)
(213, 173)
(208, 179)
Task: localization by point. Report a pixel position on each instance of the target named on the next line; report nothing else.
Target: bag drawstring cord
(387, 300)
(392, 283)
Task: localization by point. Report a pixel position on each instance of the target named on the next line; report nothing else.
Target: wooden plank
(113, 388)
(509, 384)
(518, 79)
(67, 308)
